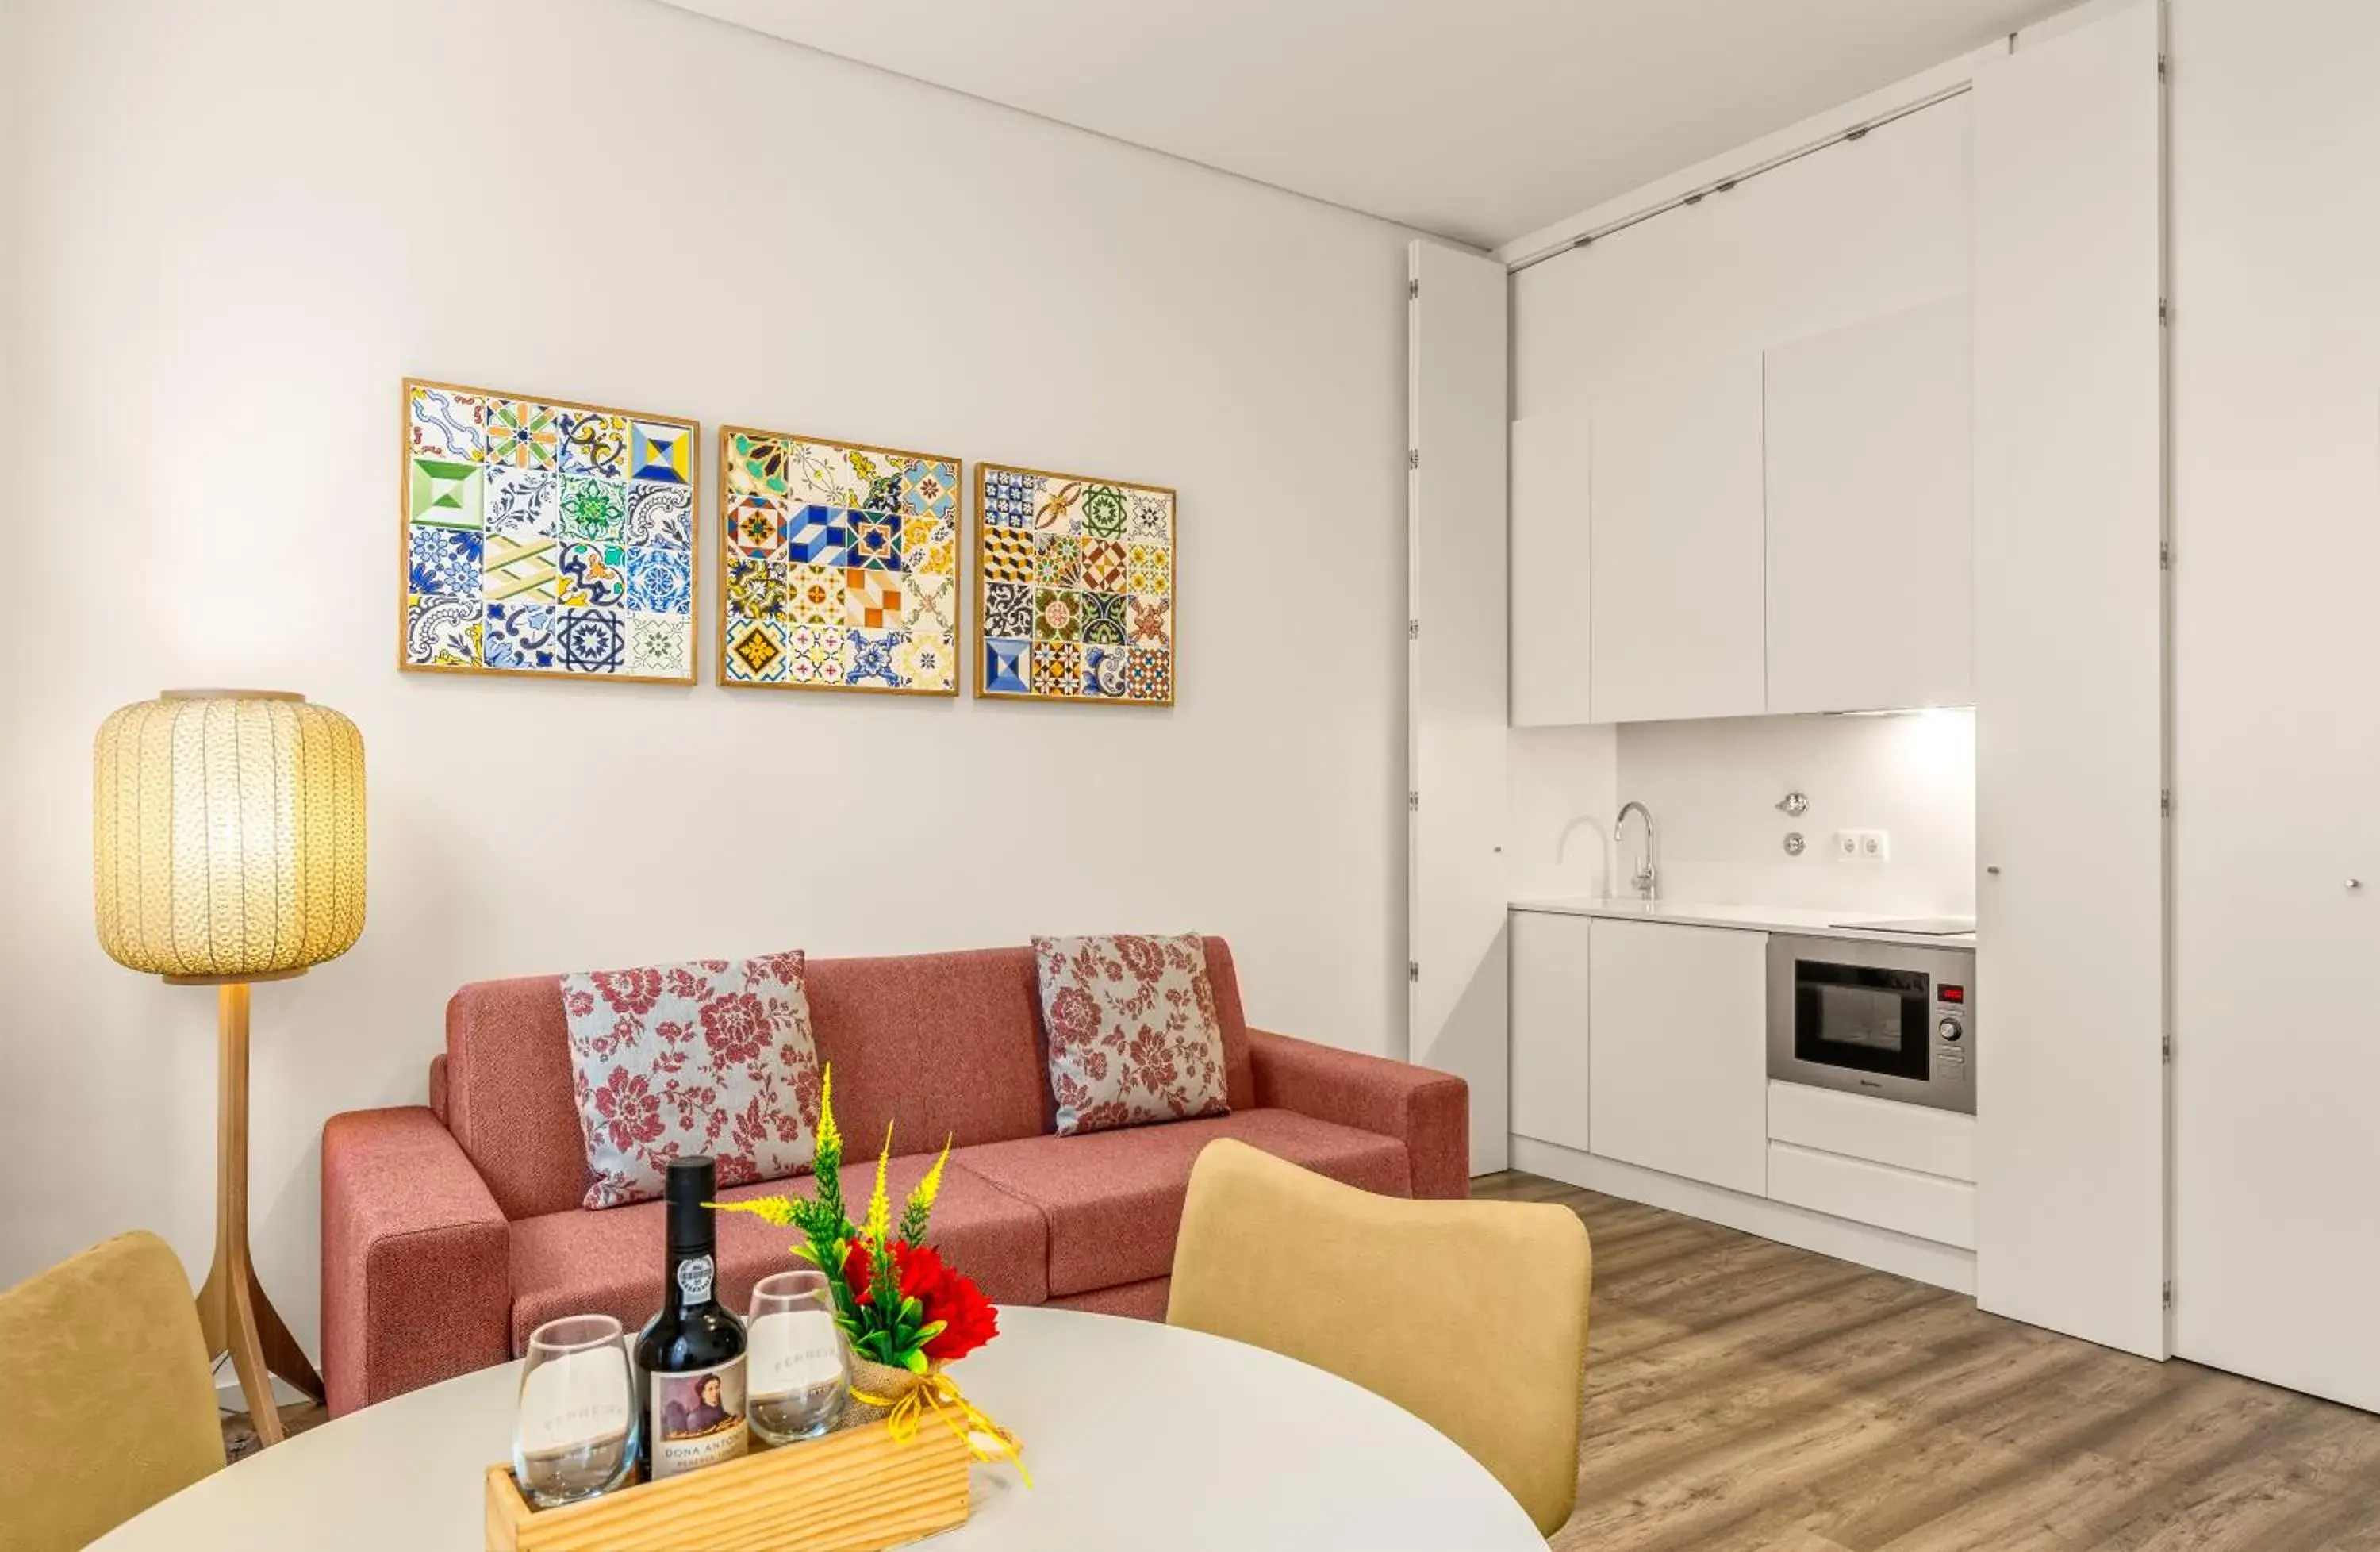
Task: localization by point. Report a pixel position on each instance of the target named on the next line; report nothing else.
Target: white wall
(2277, 743)
(1714, 786)
(248, 220)
(1565, 786)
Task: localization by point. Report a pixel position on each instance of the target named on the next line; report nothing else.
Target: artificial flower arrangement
(905, 1310)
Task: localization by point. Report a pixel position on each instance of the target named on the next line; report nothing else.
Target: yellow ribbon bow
(939, 1394)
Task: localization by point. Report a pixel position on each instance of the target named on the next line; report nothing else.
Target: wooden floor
(1743, 1394)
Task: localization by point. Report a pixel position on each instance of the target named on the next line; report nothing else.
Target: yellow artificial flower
(879, 1208)
(830, 1136)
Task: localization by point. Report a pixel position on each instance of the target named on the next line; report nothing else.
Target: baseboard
(1943, 1265)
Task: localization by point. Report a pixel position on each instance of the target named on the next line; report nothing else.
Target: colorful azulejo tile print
(1074, 587)
(544, 538)
(872, 659)
(595, 443)
(592, 575)
(926, 658)
(1008, 609)
(842, 564)
(756, 528)
(821, 654)
(443, 561)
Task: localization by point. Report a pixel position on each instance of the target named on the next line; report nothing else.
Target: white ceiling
(1480, 120)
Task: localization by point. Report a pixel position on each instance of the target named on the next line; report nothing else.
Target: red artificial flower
(946, 1295)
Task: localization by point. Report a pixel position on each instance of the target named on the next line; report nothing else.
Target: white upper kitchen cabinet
(1549, 570)
(1678, 1065)
(1675, 591)
(1551, 1079)
(1871, 514)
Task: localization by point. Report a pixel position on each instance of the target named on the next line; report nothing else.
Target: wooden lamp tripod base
(233, 1315)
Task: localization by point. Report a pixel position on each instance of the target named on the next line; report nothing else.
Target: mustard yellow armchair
(1471, 1315)
(111, 1403)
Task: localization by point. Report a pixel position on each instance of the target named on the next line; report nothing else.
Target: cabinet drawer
(1880, 1131)
(1926, 1205)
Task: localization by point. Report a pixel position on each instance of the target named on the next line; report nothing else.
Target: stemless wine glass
(576, 1432)
(799, 1372)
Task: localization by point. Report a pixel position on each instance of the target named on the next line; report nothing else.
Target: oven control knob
(1950, 1029)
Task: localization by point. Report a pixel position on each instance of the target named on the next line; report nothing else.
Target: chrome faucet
(1644, 877)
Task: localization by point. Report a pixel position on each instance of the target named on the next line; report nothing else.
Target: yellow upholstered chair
(111, 1401)
(1471, 1315)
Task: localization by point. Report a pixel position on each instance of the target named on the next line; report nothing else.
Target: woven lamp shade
(227, 834)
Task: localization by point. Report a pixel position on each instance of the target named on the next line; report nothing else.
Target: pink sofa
(451, 1230)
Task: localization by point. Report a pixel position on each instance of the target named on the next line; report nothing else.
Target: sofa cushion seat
(1113, 1200)
(583, 1262)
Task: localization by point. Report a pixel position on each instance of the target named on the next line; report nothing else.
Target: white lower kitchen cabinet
(1928, 1206)
(1678, 1074)
(1551, 1081)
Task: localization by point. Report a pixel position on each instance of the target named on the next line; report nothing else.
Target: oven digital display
(1951, 993)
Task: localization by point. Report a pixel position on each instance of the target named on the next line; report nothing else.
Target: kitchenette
(1888, 550)
(1820, 734)
(1804, 1074)
(1747, 989)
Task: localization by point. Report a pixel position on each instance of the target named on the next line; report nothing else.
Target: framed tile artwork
(546, 537)
(1075, 581)
(841, 565)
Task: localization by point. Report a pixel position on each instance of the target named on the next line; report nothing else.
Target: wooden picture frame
(838, 565)
(1086, 612)
(603, 512)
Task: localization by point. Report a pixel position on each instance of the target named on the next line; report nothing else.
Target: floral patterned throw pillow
(1132, 1032)
(713, 1056)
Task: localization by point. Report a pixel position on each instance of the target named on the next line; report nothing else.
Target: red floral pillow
(1132, 1032)
(713, 1056)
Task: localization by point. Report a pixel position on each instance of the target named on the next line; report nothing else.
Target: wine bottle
(691, 1354)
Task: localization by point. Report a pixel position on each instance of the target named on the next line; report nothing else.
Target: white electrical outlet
(1862, 846)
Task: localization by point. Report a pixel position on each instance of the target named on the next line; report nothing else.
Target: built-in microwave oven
(1889, 1020)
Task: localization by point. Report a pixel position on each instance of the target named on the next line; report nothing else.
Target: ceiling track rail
(1720, 186)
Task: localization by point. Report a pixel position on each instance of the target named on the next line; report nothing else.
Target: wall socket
(1862, 846)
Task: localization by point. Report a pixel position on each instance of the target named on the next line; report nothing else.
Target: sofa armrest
(417, 1280)
(1428, 1110)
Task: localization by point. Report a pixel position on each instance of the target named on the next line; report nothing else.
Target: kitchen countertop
(1749, 918)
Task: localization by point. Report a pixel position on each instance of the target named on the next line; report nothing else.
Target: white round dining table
(1138, 1436)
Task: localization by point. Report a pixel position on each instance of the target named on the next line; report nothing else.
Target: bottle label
(694, 1275)
(697, 1418)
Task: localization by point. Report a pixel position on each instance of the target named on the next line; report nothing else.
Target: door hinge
(2167, 1043)
(1412, 458)
(1413, 630)
(1412, 289)
(1413, 971)
(2165, 310)
(2165, 803)
(2165, 554)
(2160, 66)
(2168, 1292)
(1413, 802)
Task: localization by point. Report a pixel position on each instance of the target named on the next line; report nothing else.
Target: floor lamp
(227, 847)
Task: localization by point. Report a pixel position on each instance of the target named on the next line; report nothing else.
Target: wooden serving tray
(852, 1491)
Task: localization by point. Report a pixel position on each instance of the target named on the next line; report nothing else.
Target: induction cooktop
(1918, 927)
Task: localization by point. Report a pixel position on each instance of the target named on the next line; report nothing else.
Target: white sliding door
(2069, 671)
(1456, 513)
(2276, 744)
